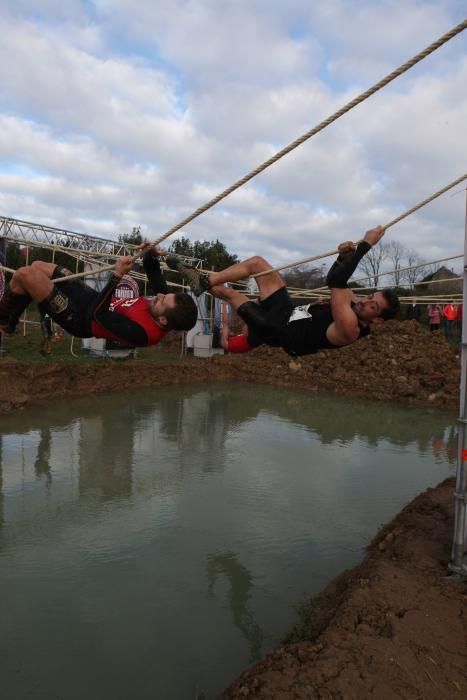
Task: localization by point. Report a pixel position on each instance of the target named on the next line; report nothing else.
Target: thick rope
(303, 260)
(317, 291)
(426, 201)
(323, 291)
(399, 269)
(399, 285)
(350, 105)
(322, 125)
(385, 227)
(420, 299)
(411, 267)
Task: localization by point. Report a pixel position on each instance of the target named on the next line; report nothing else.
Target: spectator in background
(414, 312)
(434, 317)
(450, 318)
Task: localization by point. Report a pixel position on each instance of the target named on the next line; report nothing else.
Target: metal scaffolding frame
(90, 249)
(15, 229)
(49, 236)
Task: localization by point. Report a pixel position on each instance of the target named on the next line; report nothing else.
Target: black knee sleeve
(55, 304)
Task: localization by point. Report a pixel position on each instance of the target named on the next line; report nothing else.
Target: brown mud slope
(395, 626)
(399, 361)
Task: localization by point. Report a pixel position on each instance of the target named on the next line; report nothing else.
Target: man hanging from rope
(300, 330)
(85, 312)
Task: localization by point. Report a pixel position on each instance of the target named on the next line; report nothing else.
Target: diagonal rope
(303, 260)
(322, 125)
(411, 267)
(425, 201)
(385, 227)
(325, 290)
(415, 284)
(399, 269)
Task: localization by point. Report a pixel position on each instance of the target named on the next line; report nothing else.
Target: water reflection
(444, 445)
(103, 440)
(177, 528)
(106, 455)
(197, 423)
(42, 462)
(240, 582)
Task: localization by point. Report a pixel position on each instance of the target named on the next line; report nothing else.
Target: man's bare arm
(345, 328)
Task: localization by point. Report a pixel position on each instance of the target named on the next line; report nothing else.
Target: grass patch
(26, 344)
(311, 623)
(316, 614)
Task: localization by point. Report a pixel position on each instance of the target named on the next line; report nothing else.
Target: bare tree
(396, 252)
(430, 269)
(371, 263)
(413, 274)
(305, 277)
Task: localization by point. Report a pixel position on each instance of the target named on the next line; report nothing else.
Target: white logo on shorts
(299, 313)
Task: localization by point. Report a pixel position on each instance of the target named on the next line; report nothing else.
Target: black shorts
(74, 308)
(276, 309)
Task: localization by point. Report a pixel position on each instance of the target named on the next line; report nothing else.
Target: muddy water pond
(154, 544)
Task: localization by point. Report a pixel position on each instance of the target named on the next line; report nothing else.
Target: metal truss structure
(26, 232)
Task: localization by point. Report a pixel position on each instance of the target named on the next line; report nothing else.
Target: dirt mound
(394, 626)
(399, 361)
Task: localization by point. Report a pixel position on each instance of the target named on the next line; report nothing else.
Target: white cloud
(367, 40)
(113, 116)
(217, 42)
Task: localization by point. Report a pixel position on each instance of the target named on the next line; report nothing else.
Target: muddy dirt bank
(394, 627)
(400, 361)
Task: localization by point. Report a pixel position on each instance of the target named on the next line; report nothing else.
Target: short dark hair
(184, 314)
(394, 304)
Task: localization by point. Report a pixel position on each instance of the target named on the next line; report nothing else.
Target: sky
(115, 114)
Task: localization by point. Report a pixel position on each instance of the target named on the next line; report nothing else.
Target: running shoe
(197, 281)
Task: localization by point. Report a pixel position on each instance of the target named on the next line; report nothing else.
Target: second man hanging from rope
(300, 330)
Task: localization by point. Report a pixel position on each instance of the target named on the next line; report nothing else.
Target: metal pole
(2, 282)
(25, 313)
(460, 495)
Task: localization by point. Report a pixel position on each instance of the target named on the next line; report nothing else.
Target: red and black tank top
(136, 310)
